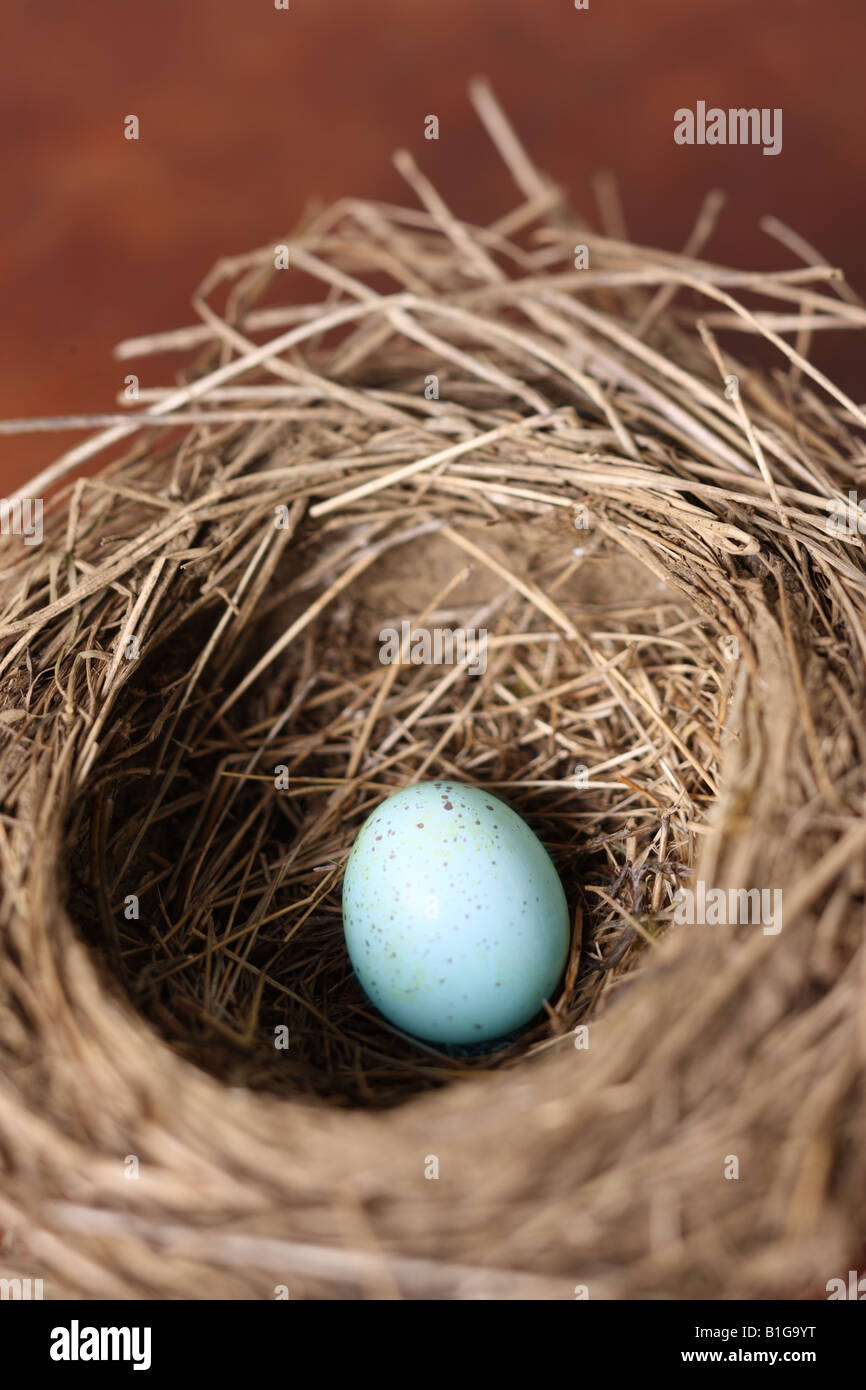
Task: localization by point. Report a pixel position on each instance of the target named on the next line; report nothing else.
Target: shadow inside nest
(207, 869)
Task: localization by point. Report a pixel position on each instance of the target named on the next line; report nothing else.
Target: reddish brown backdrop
(246, 111)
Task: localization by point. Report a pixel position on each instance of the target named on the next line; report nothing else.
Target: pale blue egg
(455, 919)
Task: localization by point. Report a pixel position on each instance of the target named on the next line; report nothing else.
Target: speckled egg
(455, 919)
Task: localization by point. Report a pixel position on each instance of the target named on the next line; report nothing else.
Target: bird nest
(644, 569)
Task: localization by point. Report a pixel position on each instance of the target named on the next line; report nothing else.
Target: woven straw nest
(673, 692)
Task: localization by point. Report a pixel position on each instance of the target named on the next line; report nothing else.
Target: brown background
(246, 111)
